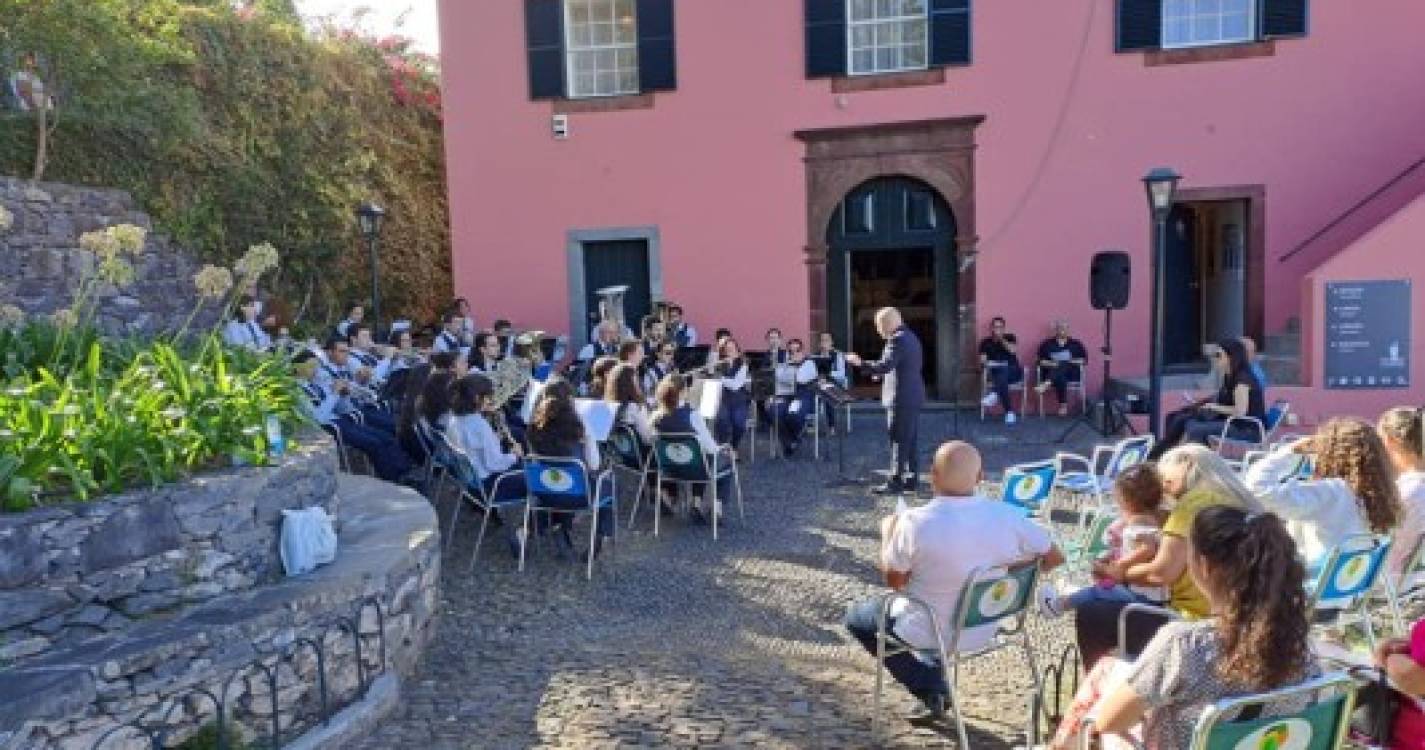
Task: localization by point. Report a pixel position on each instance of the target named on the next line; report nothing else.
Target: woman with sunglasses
(1241, 395)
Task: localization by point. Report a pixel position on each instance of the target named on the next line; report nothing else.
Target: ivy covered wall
(234, 126)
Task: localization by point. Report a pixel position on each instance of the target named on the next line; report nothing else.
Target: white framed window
(601, 47)
(886, 36)
(1198, 23)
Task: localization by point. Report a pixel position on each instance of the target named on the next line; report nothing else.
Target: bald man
(902, 393)
(929, 553)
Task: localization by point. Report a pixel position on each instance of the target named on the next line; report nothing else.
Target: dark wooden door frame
(1256, 247)
(938, 152)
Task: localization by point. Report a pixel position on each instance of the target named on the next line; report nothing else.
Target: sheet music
(597, 415)
(531, 397)
(710, 400)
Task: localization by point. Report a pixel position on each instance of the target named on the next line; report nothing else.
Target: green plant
(206, 738)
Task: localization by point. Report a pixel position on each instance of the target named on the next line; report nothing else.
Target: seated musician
(485, 353)
(631, 408)
(672, 416)
(448, 340)
(999, 359)
(776, 356)
(1061, 362)
(679, 330)
(243, 330)
(732, 367)
(324, 405)
(404, 351)
(721, 335)
(662, 364)
(461, 307)
(469, 429)
(505, 332)
(598, 375)
(354, 313)
(605, 344)
(374, 360)
(654, 335)
(527, 349)
(630, 352)
(556, 431)
(793, 396)
(336, 374)
(826, 347)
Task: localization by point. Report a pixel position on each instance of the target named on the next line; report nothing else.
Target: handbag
(1377, 705)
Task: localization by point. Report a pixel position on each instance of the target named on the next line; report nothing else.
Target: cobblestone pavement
(680, 641)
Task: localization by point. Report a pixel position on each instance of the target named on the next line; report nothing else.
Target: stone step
(1282, 370)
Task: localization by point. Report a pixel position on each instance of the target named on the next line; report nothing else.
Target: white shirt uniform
(246, 335)
(447, 342)
(940, 544)
(788, 376)
(472, 434)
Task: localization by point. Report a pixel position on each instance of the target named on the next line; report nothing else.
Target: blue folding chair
(1029, 486)
(1081, 475)
(548, 476)
(472, 489)
(1234, 449)
(681, 460)
(1347, 578)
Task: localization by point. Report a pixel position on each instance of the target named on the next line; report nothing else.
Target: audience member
(1400, 432)
(1196, 478)
(1258, 641)
(999, 359)
(1351, 489)
(1241, 395)
(1132, 539)
(1404, 663)
(1061, 362)
(929, 552)
(1249, 345)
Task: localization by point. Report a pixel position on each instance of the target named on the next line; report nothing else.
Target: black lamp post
(1161, 184)
(369, 217)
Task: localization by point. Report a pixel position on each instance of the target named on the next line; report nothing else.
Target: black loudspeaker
(1109, 280)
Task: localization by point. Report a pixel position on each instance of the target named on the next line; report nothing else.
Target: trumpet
(360, 392)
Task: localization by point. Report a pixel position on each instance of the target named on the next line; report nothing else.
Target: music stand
(839, 397)
(691, 357)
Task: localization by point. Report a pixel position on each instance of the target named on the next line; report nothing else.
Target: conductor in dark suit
(902, 393)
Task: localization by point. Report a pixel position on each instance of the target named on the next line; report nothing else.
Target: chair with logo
(988, 598)
(1233, 447)
(1029, 486)
(472, 490)
(680, 459)
(1407, 586)
(1240, 724)
(630, 456)
(1346, 579)
(1081, 475)
(556, 480)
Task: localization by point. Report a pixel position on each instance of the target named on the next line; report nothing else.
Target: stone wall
(72, 572)
(154, 672)
(43, 262)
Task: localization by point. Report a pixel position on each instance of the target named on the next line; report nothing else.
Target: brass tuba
(611, 306)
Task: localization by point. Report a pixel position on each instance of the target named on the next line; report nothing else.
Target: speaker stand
(1113, 421)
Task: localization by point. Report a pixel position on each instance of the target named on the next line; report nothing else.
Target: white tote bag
(308, 540)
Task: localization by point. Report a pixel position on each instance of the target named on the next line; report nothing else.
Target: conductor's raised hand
(854, 359)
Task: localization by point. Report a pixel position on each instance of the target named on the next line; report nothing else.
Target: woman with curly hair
(1351, 488)
(1400, 431)
(1256, 640)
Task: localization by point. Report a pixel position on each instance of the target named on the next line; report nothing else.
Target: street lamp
(369, 217)
(1160, 184)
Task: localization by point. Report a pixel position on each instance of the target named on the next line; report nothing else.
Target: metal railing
(158, 730)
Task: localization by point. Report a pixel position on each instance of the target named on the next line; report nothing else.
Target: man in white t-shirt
(928, 553)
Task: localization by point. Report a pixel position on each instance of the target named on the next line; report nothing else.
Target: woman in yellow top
(1195, 478)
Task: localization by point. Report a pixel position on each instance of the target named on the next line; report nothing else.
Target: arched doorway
(891, 243)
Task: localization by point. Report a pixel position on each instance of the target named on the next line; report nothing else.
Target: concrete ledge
(355, 720)
(389, 549)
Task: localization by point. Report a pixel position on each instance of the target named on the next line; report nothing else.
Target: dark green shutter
(826, 38)
(1140, 25)
(1283, 18)
(949, 32)
(657, 52)
(544, 41)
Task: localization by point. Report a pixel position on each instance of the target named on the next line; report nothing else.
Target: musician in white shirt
(461, 307)
(605, 343)
(324, 406)
(449, 338)
(354, 313)
(630, 405)
(486, 353)
(680, 331)
(826, 348)
(732, 414)
(244, 331)
(662, 365)
(470, 432)
(793, 396)
(375, 361)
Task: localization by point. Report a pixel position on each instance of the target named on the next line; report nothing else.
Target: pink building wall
(1070, 128)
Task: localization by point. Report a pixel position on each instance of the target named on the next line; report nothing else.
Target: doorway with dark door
(617, 263)
(891, 243)
(1206, 295)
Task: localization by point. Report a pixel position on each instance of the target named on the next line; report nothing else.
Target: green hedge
(233, 128)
